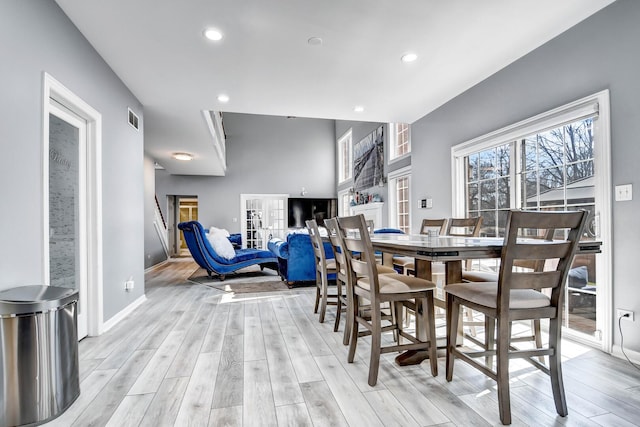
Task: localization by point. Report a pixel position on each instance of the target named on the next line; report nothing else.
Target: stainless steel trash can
(39, 375)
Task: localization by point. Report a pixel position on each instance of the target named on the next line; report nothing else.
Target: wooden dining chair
(517, 296)
(407, 265)
(324, 267)
(379, 289)
(343, 279)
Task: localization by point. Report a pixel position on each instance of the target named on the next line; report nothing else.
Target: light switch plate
(624, 192)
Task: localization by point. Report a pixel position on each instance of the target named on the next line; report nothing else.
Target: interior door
(68, 242)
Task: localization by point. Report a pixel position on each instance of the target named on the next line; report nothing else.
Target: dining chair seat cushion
(479, 276)
(331, 265)
(485, 293)
(403, 260)
(385, 269)
(397, 283)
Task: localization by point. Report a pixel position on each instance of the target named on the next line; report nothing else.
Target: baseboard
(155, 266)
(634, 356)
(122, 314)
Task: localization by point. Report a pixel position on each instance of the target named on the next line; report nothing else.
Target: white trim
(392, 200)
(122, 314)
(349, 161)
(53, 89)
(594, 105)
(634, 356)
(341, 194)
(155, 266)
(392, 131)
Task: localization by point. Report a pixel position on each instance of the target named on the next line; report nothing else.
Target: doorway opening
(72, 199)
(180, 209)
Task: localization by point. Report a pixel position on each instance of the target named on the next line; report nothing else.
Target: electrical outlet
(627, 314)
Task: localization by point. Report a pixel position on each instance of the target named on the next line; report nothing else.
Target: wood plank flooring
(196, 356)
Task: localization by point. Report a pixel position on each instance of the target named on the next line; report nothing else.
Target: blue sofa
(296, 261)
(206, 257)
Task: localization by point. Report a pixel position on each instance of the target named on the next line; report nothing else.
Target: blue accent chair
(296, 260)
(204, 255)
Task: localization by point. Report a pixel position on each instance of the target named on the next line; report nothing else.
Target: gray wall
(37, 37)
(265, 154)
(153, 250)
(599, 53)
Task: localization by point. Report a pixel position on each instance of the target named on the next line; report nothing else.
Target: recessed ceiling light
(409, 57)
(315, 41)
(213, 34)
(358, 108)
(182, 156)
(223, 98)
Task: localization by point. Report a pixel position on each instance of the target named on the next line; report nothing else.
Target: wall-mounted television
(302, 209)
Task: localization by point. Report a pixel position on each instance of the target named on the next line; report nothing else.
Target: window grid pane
(402, 203)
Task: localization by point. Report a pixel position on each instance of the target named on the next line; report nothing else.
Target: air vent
(133, 119)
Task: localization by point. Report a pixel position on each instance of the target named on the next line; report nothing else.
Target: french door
(68, 243)
(263, 217)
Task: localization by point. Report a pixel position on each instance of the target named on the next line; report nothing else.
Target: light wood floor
(194, 356)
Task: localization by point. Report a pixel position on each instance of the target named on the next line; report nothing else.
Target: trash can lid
(35, 299)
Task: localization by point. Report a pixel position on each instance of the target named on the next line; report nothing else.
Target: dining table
(450, 250)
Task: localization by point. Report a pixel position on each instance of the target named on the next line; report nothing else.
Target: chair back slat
(540, 251)
(557, 252)
(354, 234)
(465, 227)
(440, 225)
(535, 280)
(316, 243)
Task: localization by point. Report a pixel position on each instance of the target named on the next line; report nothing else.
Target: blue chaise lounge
(205, 256)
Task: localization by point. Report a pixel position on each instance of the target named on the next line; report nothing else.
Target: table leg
(424, 271)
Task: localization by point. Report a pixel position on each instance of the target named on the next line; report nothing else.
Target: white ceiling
(266, 66)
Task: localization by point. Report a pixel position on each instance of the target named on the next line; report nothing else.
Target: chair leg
(354, 330)
(453, 312)
(348, 324)
(323, 303)
(315, 307)
(555, 368)
(336, 324)
(489, 338)
(502, 370)
(376, 344)
(537, 337)
(469, 314)
(429, 306)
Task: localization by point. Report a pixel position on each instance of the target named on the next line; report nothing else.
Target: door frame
(54, 90)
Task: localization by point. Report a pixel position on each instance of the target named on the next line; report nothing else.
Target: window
(556, 161)
(399, 140)
(400, 200)
(344, 202)
(345, 166)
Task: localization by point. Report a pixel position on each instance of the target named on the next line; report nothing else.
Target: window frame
(393, 201)
(597, 106)
(345, 164)
(393, 141)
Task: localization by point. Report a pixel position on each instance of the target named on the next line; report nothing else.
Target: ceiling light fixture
(409, 57)
(223, 98)
(182, 156)
(315, 41)
(213, 34)
(358, 108)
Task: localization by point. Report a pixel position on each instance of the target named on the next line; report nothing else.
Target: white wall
(37, 37)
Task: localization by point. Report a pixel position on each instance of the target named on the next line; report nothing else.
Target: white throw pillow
(222, 245)
(214, 230)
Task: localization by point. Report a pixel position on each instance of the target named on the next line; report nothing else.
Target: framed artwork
(368, 160)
